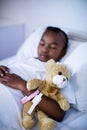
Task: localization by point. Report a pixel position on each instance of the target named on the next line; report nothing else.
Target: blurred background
(18, 18)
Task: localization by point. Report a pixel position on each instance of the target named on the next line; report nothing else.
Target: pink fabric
(28, 98)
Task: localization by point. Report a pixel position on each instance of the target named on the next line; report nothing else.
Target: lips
(43, 57)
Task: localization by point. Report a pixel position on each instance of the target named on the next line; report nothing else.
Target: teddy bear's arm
(63, 102)
(34, 84)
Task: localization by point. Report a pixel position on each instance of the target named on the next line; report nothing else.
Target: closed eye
(42, 43)
(53, 46)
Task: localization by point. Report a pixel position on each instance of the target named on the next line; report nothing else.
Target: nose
(45, 49)
(64, 79)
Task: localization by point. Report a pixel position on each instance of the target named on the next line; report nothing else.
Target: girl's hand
(13, 81)
(3, 70)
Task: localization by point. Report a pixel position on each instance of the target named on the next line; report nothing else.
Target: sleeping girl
(53, 45)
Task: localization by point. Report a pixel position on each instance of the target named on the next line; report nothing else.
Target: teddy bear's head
(57, 73)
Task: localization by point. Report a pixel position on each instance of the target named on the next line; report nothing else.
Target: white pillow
(29, 47)
(72, 45)
(77, 61)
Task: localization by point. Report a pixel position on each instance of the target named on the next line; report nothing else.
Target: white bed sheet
(73, 120)
(10, 115)
(11, 108)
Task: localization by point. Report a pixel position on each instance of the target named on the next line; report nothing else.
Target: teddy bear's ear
(50, 69)
(50, 62)
(50, 65)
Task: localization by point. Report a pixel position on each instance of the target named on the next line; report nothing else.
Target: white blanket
(10, 106)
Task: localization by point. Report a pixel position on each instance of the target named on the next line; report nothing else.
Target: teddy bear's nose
(64, 79)
(60, 73)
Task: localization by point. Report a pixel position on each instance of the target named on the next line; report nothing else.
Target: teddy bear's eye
(60, 73)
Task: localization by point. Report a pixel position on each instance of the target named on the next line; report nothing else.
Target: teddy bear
(57, 76)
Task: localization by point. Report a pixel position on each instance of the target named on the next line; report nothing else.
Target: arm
(47, 105)
(51, 108)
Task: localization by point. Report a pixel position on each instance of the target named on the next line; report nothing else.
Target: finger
(4, 79)
(2, 73)
(4, 69)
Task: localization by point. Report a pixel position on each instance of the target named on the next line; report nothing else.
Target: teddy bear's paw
(28, 122)
(46, 124)
(41, 115)
(64, 105)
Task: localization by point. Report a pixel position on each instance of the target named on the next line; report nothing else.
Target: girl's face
(51, 46)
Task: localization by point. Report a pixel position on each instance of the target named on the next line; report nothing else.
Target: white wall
(33, 13)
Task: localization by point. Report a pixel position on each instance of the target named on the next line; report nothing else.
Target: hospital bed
(76, 116)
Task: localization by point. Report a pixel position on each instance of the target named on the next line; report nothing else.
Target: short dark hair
(58, 30)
